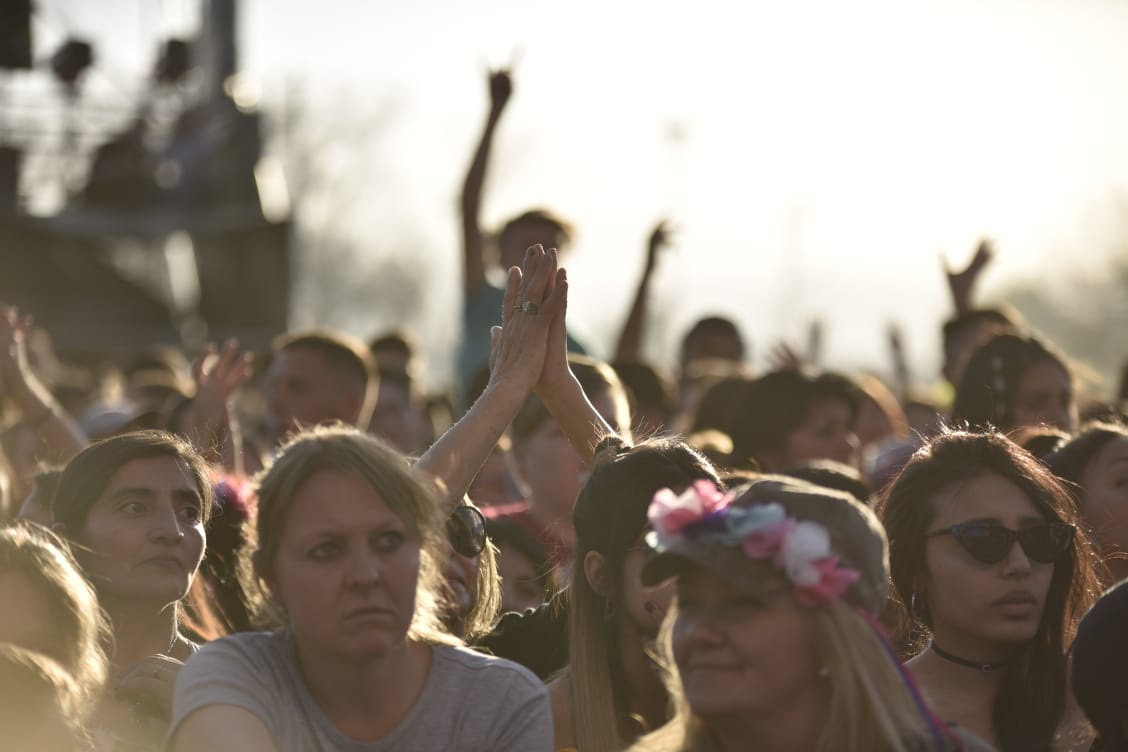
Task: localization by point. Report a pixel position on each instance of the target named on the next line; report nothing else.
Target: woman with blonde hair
(773, 637)
(52, 664)
(349, 555)
(49, 607)
(349, 558)
(472, 593)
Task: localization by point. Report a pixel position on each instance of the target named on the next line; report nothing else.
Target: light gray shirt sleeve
(222, 673)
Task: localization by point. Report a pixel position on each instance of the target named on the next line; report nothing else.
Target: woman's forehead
(337, 500)
(151, 472)
(988, 496)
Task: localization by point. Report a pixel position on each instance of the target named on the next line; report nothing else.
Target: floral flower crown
(800, 549)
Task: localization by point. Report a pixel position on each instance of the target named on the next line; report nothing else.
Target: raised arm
(961, 284)
(211, 425)
(474, 266)
(534, 298)
(36, 404)
(630, 339)
(564, 398)
(901, 375)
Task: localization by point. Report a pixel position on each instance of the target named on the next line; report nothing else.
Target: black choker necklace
(984, 667)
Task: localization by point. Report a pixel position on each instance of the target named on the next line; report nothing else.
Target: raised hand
(218, 375)
(534, 299)
(962, 282)
(501, 87)
(660, 238)
(783, 357)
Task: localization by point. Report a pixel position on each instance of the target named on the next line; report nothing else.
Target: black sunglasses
(466, 531)
(990, 542)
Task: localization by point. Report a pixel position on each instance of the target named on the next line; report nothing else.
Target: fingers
(200, 363)
(512, 286)
(540, 272)
(495, 338)
(226, 370)
(557, 297)
(242, 372)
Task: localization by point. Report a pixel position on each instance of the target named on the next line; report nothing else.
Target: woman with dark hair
(991, 578)
(1014, 381)
(1095, 463)
(788, 417)
(612, 691)
(1099, 665)
(134, 508)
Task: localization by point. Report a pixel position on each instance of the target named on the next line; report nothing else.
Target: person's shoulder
(254, 649)
(245, 642)
(486, 668)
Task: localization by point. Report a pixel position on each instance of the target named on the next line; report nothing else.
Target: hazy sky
(817, 156)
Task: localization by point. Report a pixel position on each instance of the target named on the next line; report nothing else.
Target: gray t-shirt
(469, 701)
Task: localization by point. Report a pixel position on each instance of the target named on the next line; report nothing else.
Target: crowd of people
(300, 550)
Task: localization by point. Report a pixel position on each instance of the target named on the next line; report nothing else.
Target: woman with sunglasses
(472, 597)
(991, 577)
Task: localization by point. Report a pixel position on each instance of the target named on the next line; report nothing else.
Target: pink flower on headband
(670, 513)
(833, 582)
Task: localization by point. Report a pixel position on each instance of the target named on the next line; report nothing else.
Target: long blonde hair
(871, 707)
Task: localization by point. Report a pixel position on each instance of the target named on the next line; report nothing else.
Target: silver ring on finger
(529, 307)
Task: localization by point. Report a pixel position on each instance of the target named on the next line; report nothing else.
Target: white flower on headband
(800, 549)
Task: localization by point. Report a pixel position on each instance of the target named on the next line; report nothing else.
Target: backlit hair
(345, 449)
(30, 551)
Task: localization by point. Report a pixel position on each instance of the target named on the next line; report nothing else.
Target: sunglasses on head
(990, 542)
(466, 531)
